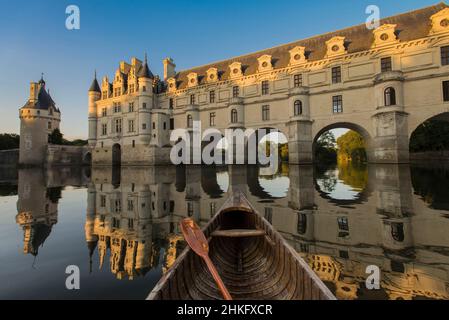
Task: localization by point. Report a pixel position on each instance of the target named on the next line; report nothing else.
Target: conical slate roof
(94, 86)
(144, 71)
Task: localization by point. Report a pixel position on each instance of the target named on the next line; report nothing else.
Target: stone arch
(415, 122)
(116, 155)
(351, 126)
(269, 130)
(87, 159)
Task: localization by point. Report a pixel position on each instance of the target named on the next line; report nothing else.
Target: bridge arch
(360, 129)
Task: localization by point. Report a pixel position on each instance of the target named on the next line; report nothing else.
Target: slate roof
(43, 102)
(410, 26)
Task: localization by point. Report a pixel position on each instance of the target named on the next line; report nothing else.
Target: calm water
(121, 227)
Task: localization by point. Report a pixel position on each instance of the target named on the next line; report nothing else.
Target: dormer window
(265, 63)
(385, 34)
(297, 55)
(440, 21)
(171, 84)
(192, 79)
(335, 46)
(212, 75)
(235, 69)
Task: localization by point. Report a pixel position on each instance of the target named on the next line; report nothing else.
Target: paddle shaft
(217, 278)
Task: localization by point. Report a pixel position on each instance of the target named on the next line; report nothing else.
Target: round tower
(145, 79)
(94, 96)
(38, 118)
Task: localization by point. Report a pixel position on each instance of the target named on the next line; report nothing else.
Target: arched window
(234, 117)
(189, 121)
(397, 231)
(390, 97)
(298, 107)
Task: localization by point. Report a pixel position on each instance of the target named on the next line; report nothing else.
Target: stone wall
(58, 155)
(9, 157)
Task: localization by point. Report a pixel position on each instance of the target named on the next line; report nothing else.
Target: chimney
(34, 91)
(169, 68)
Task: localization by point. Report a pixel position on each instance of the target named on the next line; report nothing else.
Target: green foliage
(56, 137)
(432, 135)
(283, 151)
(351, 147)
(9, 141)
(325, 148)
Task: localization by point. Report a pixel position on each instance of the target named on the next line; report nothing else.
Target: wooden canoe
(252, 258)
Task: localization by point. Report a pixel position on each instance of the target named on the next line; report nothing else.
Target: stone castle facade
(382, 83)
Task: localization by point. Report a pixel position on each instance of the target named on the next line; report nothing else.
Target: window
(144, 105)
(212, 119)
(117, 92)
(131, 107)
(212, 96)
(144, 126)
(117, 107)
(130, 205)
(49, 125)
(234, 117)
(104, 129)
(390, 97)
(189, 209)
(104, 112)
(337, 104)
(265, 87)
(105, 94)
(115, 223)
(265, 113)
(235, 92)
(102, 201)
(297, 108)
(446, 90)
(134, 143)
(165, 125)
(154, 125)
(343, 224)
(171, 103)
(144, 88)
(385, 64)
(189, 121)
(130, 227)
(118, 125)
(301, 226)
(131, 88)
(445, 56)
(192, 99)
(336, 75)
(172, 123)
(297, 80)
(397, 231)
(130, 125)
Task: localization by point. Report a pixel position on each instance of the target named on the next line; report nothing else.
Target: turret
(38, 118)
(94, 96)
(145, 79)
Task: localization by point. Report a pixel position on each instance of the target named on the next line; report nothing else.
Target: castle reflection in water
(341, 220)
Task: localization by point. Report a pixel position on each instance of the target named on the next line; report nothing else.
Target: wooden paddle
(197, 241)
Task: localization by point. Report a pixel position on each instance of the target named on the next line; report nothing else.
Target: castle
(382, 83)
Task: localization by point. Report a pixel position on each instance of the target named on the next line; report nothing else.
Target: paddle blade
(195, 237)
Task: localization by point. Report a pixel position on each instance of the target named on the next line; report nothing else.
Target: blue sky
(35, 40)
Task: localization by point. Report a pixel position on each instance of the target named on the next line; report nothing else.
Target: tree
(9, 141)
(325, 148)
(351, 147)
(56, 137)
